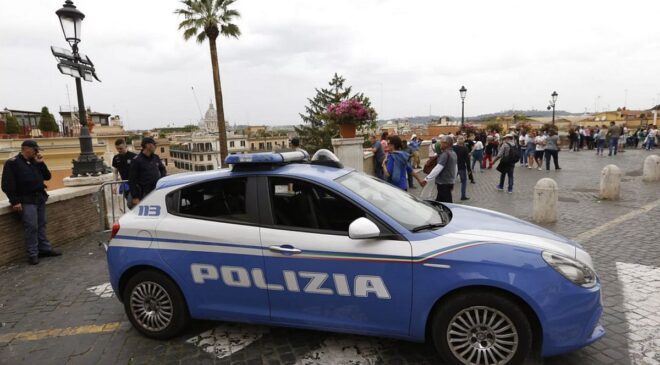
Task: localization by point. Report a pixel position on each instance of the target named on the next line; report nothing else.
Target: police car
(283, 241)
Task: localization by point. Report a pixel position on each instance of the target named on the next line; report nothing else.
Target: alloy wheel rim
(482, 335)
(151, 306)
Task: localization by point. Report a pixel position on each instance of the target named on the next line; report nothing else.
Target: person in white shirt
(478, 155)
(540, 150)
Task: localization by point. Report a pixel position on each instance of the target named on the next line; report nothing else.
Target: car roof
(303, 170)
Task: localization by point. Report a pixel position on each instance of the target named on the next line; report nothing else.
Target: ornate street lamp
(78, 66)
(463, 91)
(553, 103)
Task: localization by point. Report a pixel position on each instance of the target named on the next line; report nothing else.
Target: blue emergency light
(267, 158)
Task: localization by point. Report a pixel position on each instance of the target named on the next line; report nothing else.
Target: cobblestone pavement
(63, 312)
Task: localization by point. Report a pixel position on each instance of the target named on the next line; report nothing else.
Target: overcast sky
(410, 57)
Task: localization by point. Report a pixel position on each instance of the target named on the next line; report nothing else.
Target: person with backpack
(396, 167)
(508, 156)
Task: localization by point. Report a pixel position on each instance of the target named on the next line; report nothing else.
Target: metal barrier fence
(111, 203)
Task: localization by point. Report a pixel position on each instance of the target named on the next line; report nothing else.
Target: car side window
(218, 199)
(301, 204)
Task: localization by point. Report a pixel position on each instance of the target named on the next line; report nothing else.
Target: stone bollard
(652, 168)
(546, 195)
(610, 183)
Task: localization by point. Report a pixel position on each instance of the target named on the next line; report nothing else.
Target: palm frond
(190, 32)
(230, 30)
(201, 37)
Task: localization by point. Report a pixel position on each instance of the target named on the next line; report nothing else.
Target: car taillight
(115, 229)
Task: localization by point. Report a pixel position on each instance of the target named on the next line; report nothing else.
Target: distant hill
(529, 113)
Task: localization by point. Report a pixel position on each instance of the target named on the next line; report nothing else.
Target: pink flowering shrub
(349, 111)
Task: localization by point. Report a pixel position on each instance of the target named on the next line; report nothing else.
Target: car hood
(476, 224)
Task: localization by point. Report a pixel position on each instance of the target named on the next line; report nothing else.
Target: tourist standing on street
(414, 145)
(531, 149)
(614, 133)
(23, 179)
(507, 163)
(444, 172)
(522, 145)
(379, 156)
(552, 150)
(650, 137)
(540, 150)
(396, 167)
(573, 137)
(601, 136)
(478, 155)
(462, 164)
(121, 168)
(490, 150)
(146, 170)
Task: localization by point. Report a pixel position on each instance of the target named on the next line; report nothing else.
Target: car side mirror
(362, 228)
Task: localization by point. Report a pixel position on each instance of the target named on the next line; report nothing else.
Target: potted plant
(348, 115)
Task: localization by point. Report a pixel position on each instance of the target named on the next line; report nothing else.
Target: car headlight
(573, 270)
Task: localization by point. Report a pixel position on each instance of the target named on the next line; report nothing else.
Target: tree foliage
(494, 126)
(47, 121)
(12, 126)
(317, 132)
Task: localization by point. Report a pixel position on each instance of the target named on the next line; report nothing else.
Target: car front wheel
(480, 329)
(154, 305)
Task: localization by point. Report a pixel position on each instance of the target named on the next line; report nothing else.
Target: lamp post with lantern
(463, 91)
(553, 103)
(78, 66)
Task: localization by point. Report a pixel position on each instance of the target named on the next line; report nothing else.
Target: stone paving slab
(69, 291)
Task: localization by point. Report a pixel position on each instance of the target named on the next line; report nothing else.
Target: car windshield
(408, 210)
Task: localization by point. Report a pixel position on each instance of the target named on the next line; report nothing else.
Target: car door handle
(284, 249)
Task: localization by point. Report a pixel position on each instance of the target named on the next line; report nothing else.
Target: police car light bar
(266, 158)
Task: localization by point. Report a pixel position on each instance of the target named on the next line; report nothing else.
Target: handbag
(430, 164)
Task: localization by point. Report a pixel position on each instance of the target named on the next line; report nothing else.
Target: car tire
(471, 325)
(154, 305)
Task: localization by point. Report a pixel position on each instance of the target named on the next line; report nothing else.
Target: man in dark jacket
(121, 163)
(23, 181)
(146, 170)
(462, 164)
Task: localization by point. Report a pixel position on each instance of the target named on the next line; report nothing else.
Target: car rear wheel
(154, 305)
(481, 329)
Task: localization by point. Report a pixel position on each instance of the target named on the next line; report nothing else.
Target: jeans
(523, 155)
(555, 155)
(444, 193)
(463, 175)
(508, 173)
(614, 145)
(34, 222)
(478, 156)
(600, 143)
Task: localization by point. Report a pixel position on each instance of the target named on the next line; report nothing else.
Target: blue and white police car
(282, 241)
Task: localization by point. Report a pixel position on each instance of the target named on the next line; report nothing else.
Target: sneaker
(33, 260)
(540, 169)
(530, 167)
(499, 188)
(465, 198)
(51, 253)
(510, 191)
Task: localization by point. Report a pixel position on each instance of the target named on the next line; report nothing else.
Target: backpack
(513, 156)
(430, 164)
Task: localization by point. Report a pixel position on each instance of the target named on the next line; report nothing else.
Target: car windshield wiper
(428, 226)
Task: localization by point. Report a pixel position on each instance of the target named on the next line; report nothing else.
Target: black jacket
(462, 157)
(23, 180)
(145, 172)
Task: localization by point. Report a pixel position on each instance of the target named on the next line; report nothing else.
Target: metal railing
(111, 203)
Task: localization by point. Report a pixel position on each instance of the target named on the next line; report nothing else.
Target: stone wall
(369, 163)
(71, 213)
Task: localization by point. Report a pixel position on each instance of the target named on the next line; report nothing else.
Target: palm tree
(208, 19)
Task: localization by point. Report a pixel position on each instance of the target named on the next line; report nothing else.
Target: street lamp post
(78, 66)
(463, 91)
(553, 103)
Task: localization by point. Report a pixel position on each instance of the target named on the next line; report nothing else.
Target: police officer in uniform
(121, 162)
(23, 181)
(146, 169)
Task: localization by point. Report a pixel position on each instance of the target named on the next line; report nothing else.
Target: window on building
(231, 144)
(269, 145)
(242, 143)
(300, 204)
(208, 157)
(219, 199)
(162, 150)
(261, 145)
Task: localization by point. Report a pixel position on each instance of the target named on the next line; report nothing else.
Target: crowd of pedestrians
(453, 158)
